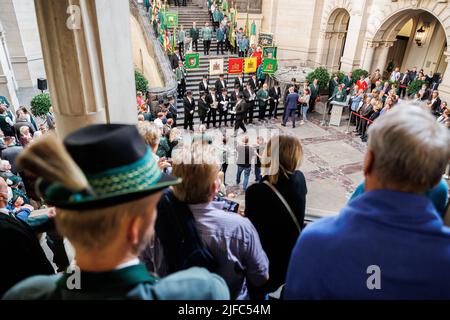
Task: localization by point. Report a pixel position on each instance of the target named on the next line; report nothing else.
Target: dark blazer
(273, 222)
(275, 94)
(241, 110)
(202, 88)
(22, 254)
(173, 58)
(11, 154)
(247, 96)
(237, 82)
(252, 83)
(188, 106)
(436, 107)
(203, 107)
(222, 98)
(233, 98)
(219, 86)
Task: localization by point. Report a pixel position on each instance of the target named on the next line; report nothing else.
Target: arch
(334, 38)
(389, 27)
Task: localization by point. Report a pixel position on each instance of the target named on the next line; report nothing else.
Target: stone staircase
(186, 16)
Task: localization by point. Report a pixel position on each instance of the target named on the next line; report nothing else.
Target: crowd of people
(108, 181)
(148, 213)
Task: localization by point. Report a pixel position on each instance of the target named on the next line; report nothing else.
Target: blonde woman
(272, 218)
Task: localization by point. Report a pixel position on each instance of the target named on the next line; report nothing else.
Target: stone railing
(254, 6)
(156, 51)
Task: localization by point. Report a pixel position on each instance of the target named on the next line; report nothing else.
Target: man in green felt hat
(105, 185)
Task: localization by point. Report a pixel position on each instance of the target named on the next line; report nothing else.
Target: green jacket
(181, 36)
(314, 91)
(339, 96)
(180, 73)
(194, 33)
(207, 33)
(131, 283)
(262, 96)
(217, 16)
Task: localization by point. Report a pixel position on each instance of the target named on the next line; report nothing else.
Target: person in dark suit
(254, 83)
(220, 84)
(332, 85)
(213, 105)
(275, 95)
(22, 253)
(290, 107)
(413, 74)
(203, 85)
(435, 104)
(366, 111)
(174, 59)
(203, 107)
(315, 91)
(240, 112)
(224, 104)
(233, 101)
(250, 96)
(173, 110)
(403, 84)
(239, 81)
(189, 108)
(271, 217)
(11, 152)
(292, 84)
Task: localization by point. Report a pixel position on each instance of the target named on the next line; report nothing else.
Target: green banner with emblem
(269, 66)
(171, 19)
(192, 60)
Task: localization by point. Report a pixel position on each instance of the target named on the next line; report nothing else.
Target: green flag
(269, 66)
(270, 52)
(253, 28)
(171, 19)
(192, 60)
(231, 36)
(246, 30)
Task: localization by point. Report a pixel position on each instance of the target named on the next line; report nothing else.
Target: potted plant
(40, 105)
(141, 82)
(323, 77)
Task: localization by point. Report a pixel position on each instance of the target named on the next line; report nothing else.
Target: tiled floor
(332, 164)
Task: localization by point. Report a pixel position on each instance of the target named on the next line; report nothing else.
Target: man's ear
(215, 187)
(133, 232)
(369, 162)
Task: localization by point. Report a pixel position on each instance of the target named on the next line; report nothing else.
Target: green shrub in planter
(414, 87)
(40, 104)
(358, 72)
(322, 75)
(340, 75)
(141, 82)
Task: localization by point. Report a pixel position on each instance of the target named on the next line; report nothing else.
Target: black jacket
(219, 86)
(241, 110)
(188, 106)
(252, 83)
(202, 88)
(203, 107)
(221, 99)
(237, 82)
(247, 95)
(276, 229)
(275, 94)
(22, 255)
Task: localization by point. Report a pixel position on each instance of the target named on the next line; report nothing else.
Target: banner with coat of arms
(235, 65)
(171, 20)
(216, 67)
(192, 60)
(250, 65)
(270, 52)
(265, 39)
(269, 66)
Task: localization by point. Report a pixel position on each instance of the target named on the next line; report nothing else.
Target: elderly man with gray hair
(389, 242)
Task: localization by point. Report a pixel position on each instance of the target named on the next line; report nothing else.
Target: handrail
(154, 48)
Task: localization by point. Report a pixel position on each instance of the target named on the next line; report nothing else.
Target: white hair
(410, 149)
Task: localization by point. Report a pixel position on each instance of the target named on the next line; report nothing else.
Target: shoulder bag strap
(283, 200)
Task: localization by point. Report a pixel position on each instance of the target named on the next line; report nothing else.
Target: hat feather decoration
(48, 159)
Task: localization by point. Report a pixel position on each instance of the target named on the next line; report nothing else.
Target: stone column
(382, 57)
(321, 49)
(444, 87)
(8, 84)
(369, 52)
(88, 61)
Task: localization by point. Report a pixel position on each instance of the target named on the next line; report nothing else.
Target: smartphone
(228, 205)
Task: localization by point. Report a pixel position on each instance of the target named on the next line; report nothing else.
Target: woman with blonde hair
(276, 205)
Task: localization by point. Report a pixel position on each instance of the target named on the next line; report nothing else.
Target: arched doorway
(336, 35)
(410, 38)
